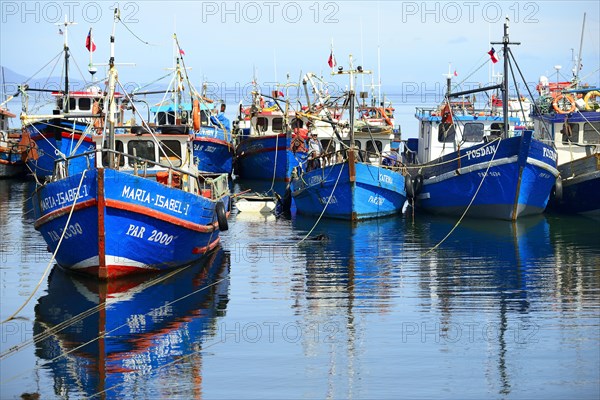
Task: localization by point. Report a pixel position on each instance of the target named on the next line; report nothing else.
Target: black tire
(221, 216)
(409, 187)
(557, 190)
(417, 184)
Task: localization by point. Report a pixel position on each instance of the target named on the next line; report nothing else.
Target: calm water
(498, 310)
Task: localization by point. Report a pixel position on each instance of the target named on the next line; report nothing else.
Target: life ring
(564, 104)
(221, 216)
(196, 114)
(587, 98)
(387, 119)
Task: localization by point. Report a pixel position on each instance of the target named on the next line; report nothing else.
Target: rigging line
(132, 33)
(145, 125)
(324, 208)
(535, 106)
(470, 203)
(512, 73)
(50, 263)
(48, 63)
(84, 314)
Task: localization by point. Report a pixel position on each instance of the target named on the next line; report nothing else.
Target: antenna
(578, 67)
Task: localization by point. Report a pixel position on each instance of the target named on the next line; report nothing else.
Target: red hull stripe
(159, 215)
(62, 211)
(212, 140)
(67, 135)
(115, 270)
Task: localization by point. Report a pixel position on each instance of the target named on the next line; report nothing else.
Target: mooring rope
(51, 262)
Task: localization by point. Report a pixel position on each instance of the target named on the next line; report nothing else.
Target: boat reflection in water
(125, 338)
(477, 304)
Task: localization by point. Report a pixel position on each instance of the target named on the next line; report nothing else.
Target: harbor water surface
(379, 309)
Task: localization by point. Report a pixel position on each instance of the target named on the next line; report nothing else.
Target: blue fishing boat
(68, 130)
(268, 145)
(345, 182)
(140, 204)
(575, 130)
(112, 335)
(479, 164)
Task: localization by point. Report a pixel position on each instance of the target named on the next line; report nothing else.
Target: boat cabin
(84, 103)
(575, 136)
(141, 150)
(437, 137)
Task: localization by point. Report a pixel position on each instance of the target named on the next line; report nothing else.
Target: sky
(408, 44)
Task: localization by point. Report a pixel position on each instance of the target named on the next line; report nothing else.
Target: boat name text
(481, 152)
(61, 198)
(143, 196)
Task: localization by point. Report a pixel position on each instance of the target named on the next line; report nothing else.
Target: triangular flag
(182, 52)
(331, 60)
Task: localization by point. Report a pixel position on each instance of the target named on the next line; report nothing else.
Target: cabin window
(570, 133)
(172, 149)
(497, 129)
(165, 118)
(72, 103)
(446, 133)
(356, 143)
(143, 149)
(473, 132)
(297, 123)
(278, 125)
(262, 124)
(85, 104)
(204, 115)
(119, 157)
(371, 148)
(591, 133)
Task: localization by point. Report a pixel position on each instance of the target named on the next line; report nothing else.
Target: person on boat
(221, 119)
(315, 149)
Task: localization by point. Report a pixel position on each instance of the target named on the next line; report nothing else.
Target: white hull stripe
(110, 260)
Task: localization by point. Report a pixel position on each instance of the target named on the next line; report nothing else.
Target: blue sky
(225, 40)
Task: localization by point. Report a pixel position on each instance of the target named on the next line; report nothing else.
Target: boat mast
(578, 66)
(66, 24)
(112, 78)
(505, 42)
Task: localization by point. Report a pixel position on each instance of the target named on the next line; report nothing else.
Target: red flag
(331, 60)
(182, 52)
(455, 73)
(89, 42)
(492, 54)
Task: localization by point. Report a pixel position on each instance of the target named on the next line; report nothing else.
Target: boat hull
(349, 191)
(517, 173)
(54, 139)
(580, 187)
(267, 158)
(213, 151)
(123, 224)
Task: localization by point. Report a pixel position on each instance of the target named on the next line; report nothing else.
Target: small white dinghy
(256, 203)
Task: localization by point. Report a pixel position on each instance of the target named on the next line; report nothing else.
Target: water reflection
(154, 328)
